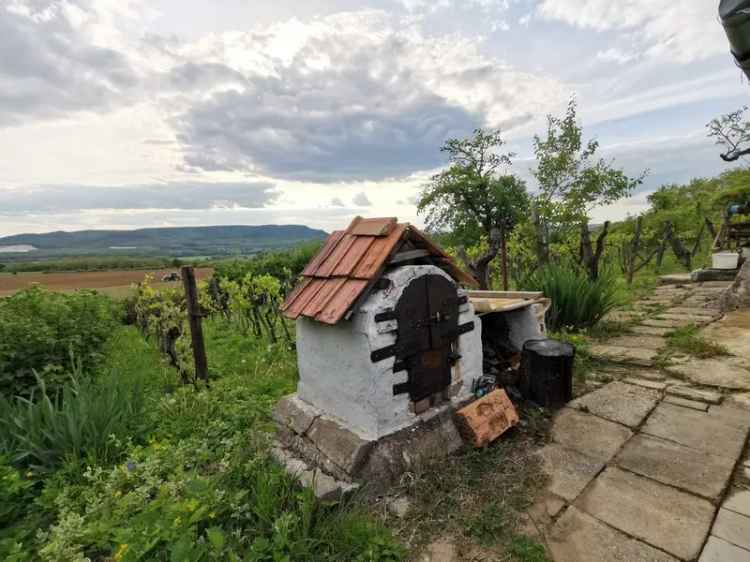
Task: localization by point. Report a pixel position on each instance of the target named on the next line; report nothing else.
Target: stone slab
(732, 373)
(732, 527)
(741, 400)
(648, 374)
(718, 550)
(671, 324)
(707, 396)
(738, 500)
(695, 429)
(664, 517)
(647, 383)
(692, 404)
(642, 342)
(569, 471)
(693, 311)
(651, 330)
(343, 447)
(619, 354)
(619, 402)
(679, 466)
(295, 413)
(592, 436)
(578, 537)
(685, 318)
(730, 415)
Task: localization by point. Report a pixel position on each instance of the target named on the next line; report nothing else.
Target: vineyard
(110, 449)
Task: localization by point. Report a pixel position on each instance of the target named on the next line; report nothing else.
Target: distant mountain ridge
(193, 240)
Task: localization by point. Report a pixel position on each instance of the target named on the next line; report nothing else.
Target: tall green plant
(578, 302)
(84, 420)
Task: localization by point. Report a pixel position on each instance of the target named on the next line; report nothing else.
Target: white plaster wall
(337, 376)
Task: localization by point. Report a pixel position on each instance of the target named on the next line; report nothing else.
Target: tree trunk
(540, 239)
(590, 255)
(504, 257)
(480, 268)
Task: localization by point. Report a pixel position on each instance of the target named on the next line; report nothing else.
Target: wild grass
(689, 341)
(577, 301)
(477, 497)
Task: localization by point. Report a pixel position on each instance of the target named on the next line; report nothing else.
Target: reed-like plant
(578, 302)
(82, 421)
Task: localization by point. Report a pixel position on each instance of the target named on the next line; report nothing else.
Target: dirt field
(114, 283)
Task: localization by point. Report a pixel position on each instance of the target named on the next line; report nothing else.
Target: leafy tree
(473, 198)
(572, 182)
(732, 132)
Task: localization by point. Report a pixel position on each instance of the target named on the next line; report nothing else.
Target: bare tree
(732, 132)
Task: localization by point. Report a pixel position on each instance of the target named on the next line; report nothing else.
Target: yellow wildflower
(120, 552)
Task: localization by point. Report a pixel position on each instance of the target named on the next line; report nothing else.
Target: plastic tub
(725, 260)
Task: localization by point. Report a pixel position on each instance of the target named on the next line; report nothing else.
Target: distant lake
(17, 249)
(123, 247)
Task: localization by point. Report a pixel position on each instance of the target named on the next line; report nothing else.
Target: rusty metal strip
(402, 388)
(383, 353)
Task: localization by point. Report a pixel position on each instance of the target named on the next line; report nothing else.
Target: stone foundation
(334, 460)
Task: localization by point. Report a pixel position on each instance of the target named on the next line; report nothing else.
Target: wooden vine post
(194, 318)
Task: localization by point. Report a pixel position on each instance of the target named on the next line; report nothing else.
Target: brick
(486, 419)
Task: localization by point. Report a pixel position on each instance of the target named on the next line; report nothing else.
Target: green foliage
(524, 549)
(688, 340)
(577, 301)
(42, 331)
(89, 263)
(571, 179)
(285, 266)
(81, 422)
(470, 198)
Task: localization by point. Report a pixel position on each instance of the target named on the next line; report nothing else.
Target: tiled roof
(351, 261)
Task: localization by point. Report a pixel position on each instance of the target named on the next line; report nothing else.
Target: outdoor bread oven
(388, 346)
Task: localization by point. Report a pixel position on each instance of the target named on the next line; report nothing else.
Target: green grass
(478, 496)
(689, 341)
(525, 549)
(195, 482)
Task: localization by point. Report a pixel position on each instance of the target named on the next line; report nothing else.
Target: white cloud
(616, 55)
(680, 31)
(354, 96)
(361, 200)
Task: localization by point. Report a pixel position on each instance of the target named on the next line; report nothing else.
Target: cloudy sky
(129, 113)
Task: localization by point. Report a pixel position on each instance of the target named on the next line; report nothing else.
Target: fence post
(194, 319)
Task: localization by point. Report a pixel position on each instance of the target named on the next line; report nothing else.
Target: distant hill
(182, 241)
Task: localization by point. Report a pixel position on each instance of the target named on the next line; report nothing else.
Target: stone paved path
(653, 465)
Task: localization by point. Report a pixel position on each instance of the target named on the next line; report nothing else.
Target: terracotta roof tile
(350, 262)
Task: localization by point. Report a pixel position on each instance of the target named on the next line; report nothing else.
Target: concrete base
(332, 459)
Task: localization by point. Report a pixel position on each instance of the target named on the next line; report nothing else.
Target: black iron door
(427, 315)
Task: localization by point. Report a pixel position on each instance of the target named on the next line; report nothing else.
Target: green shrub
(82, 421)
(40, 331)
(577, 301)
